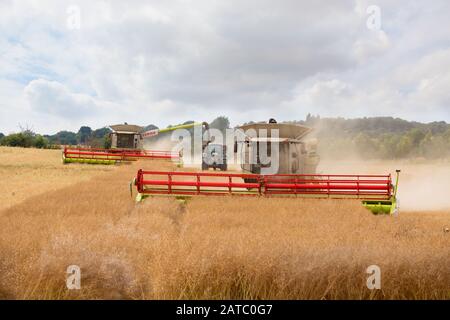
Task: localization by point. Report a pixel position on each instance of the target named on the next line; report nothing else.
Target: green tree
(150, 127)
(416, 135)
(100, 138)
(426, 145)
(84, 134)
(21, 139)
(107, 142)
(40, 142)
(404, 147)
(388, 146)
(101, 133)
(66, 138)
(221, 123)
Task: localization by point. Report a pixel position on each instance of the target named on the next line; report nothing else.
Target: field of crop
(28, 172)
(54, 215)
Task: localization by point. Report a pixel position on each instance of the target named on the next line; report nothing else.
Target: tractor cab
(214, 156)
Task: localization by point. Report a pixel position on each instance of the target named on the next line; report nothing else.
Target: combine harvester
(295, 177)
(127, 145)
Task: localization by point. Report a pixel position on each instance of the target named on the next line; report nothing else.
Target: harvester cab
(274, 141)
(125, 136)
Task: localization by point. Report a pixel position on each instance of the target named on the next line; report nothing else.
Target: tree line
(377, 137)
(99, 138)
(367, 138)
(380, 138)
(27, 138)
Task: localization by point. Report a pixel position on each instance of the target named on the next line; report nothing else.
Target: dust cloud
(423, 185)
(166, 142)
(160, 144)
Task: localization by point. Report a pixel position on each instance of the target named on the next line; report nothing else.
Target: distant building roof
(131, 128)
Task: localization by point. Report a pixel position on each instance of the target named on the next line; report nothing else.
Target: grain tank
(295, 155)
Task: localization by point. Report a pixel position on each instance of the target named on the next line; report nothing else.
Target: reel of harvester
(112, 156)
(377, 192)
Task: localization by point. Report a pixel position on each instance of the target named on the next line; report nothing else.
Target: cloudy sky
(67, 64)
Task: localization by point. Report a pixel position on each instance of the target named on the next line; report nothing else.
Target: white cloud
(53, 98)
(419, 88)
(167, 62)
(375, 44)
